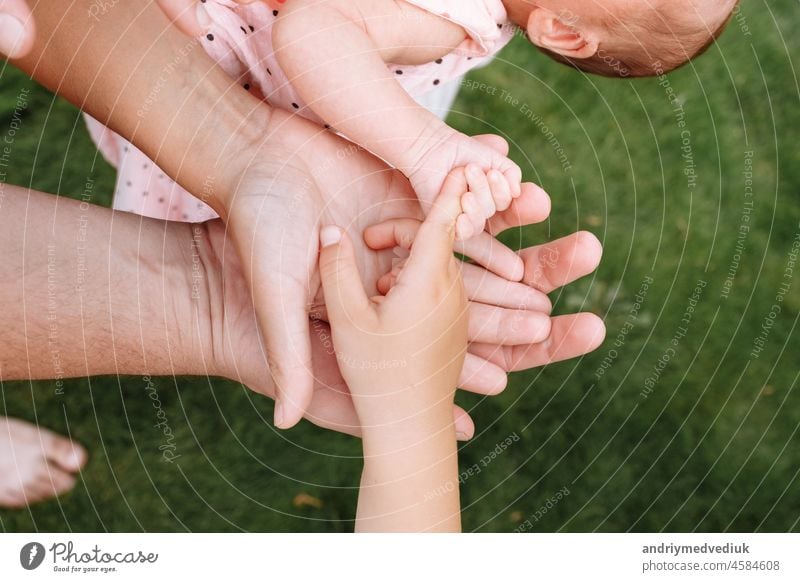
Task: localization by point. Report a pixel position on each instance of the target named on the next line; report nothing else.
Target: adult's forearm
(86, 291)
(132, 70)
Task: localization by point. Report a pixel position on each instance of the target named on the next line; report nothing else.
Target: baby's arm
(401, 357)
(335, 53)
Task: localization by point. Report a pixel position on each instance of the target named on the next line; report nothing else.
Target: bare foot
(35, 463)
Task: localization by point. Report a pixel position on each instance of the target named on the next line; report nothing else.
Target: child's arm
(410, 486)
(335, 53)
(401, 357)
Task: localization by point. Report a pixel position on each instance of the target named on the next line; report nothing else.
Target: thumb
(17, 30)
(433, 246)
(341, 281)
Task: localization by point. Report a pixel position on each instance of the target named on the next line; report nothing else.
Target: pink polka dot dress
(240, 40)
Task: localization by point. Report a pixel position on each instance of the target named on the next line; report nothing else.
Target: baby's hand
(494, 180)
(401, 355)
(487, 193)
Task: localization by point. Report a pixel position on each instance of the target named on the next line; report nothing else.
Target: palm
(282, 209)
(275, 219)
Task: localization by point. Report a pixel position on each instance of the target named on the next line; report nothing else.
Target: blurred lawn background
(705, 440)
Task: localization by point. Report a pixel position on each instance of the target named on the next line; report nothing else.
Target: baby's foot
(35, 463)
(488, 193)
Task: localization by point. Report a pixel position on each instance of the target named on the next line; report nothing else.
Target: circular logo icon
(31, 555)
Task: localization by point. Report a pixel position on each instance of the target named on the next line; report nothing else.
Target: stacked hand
(273, 211)
(273, 214)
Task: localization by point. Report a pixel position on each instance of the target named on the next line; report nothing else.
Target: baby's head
(622, 38)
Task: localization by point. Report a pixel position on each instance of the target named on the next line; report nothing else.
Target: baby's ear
(562, 34)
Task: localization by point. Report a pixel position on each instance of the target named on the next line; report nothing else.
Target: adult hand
(547, 267)
(280, 192)
(237, 350)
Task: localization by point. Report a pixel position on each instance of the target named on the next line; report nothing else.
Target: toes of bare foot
(35, 463)
(51, 482)
(62, 452)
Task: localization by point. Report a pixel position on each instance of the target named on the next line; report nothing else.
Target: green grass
(712, 447)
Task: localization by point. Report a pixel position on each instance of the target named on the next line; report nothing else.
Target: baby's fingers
(478, 184)
(472, 220)
(501, 190)
(513, 175)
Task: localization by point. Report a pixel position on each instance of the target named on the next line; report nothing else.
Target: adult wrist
(211, 140)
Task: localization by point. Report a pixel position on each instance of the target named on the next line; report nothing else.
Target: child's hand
(401, 355)
(494, 180)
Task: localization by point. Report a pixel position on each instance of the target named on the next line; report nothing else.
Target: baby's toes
(501, 190)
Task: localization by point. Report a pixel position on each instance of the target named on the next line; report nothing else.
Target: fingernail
(330, 235)
(12, 35)
(203, 19)
(279, 414)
